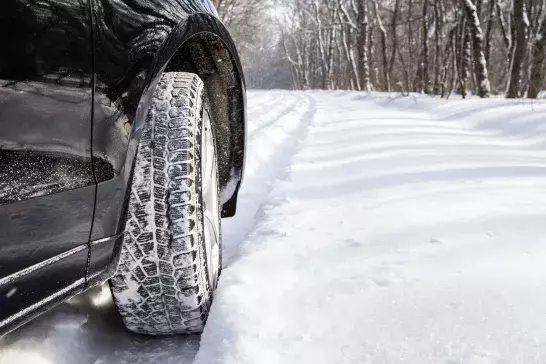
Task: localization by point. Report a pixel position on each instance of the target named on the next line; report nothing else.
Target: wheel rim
(211, 219)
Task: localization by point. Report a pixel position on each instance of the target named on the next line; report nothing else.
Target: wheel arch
(207, 56)
(202, 45)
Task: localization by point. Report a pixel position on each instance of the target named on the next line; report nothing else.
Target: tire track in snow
(266, 111)
(270, 157)
(273, 120)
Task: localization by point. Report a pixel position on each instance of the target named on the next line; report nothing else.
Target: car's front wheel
(171, 254)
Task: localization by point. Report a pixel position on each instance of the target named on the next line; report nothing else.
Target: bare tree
(362, 44)
(424, 77)
(384, 56)
(394, 37)
(464, 56)
(429, 46)
(519, 24)
(537, 66)
(480, 65)
(438, 25)
(489, 30)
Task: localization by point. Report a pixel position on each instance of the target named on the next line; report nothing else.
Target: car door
(47, 186)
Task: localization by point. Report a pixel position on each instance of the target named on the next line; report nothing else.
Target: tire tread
(161, 286)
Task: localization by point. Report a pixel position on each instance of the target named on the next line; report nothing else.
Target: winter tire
(171, 254)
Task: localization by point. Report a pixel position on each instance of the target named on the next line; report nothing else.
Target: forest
(436, 47)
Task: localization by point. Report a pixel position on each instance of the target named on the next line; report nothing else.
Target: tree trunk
(362, 53)
(464, 42)
(394, 37)
(374, 77)
(455, 63)
(384, 57)
(489, 30)
(321, 47)
(437, 41)
(410, 43)
(504, 28)
(536, 79)
(445, 69)
(425, 61)
(519, 48)
(479, 4)
(346, 35)
(480, 66)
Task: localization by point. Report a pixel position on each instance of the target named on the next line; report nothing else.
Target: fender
(229, 110)
(126, 80)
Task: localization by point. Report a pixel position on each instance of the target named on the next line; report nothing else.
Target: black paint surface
(76, 79)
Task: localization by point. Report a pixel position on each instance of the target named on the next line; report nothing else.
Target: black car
(122, 142)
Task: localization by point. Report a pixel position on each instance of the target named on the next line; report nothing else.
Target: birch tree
(362, 44)
(480, 64)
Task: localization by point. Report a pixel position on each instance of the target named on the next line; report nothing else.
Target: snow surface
(371, 229)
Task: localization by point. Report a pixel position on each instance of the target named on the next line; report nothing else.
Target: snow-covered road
(370, 230)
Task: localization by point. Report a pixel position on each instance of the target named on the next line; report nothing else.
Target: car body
(76, 79)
